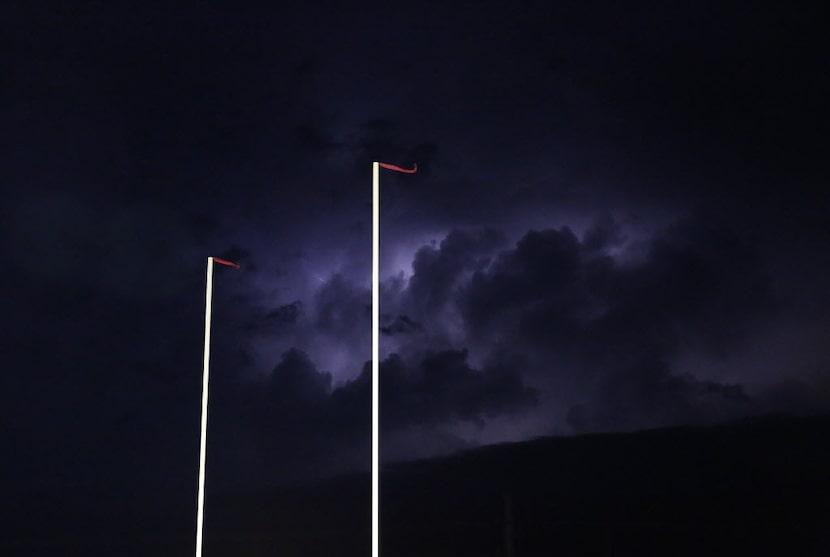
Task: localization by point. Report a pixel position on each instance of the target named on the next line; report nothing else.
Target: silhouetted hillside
(758, 487)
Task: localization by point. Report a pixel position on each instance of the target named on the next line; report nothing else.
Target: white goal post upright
(376, 347)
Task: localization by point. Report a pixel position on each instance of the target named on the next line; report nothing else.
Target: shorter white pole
(375, 359)
(200, 511)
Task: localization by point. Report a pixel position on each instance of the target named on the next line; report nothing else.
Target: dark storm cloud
(708, 280)
(694, 279)
(295, 387)
(650, 394)
(436, 271)
(295, 422)
(341, 307)
(605, 233)
(287, 314)
(606, 327)
(400, 325)
(443, 388)
(599, 320)
(544, 268)
(440, 387)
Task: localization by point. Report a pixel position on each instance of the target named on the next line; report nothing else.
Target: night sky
(619, 222)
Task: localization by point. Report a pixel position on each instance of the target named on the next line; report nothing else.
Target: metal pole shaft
(200, 511)
(375, 359)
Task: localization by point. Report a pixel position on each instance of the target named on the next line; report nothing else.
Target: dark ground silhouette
(756, 487)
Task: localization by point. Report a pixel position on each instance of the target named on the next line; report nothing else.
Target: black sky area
(619, 222)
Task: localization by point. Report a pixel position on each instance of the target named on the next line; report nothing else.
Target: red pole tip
(226, 262)
(412, 170)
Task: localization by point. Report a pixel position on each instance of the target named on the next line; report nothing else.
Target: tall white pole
(375, 359)
(200, 511)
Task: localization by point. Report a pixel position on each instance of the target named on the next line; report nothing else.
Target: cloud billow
(295, 386)
(298, 424)
(557, 331)
(441, 387)
(607, 329)
(438, 270)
